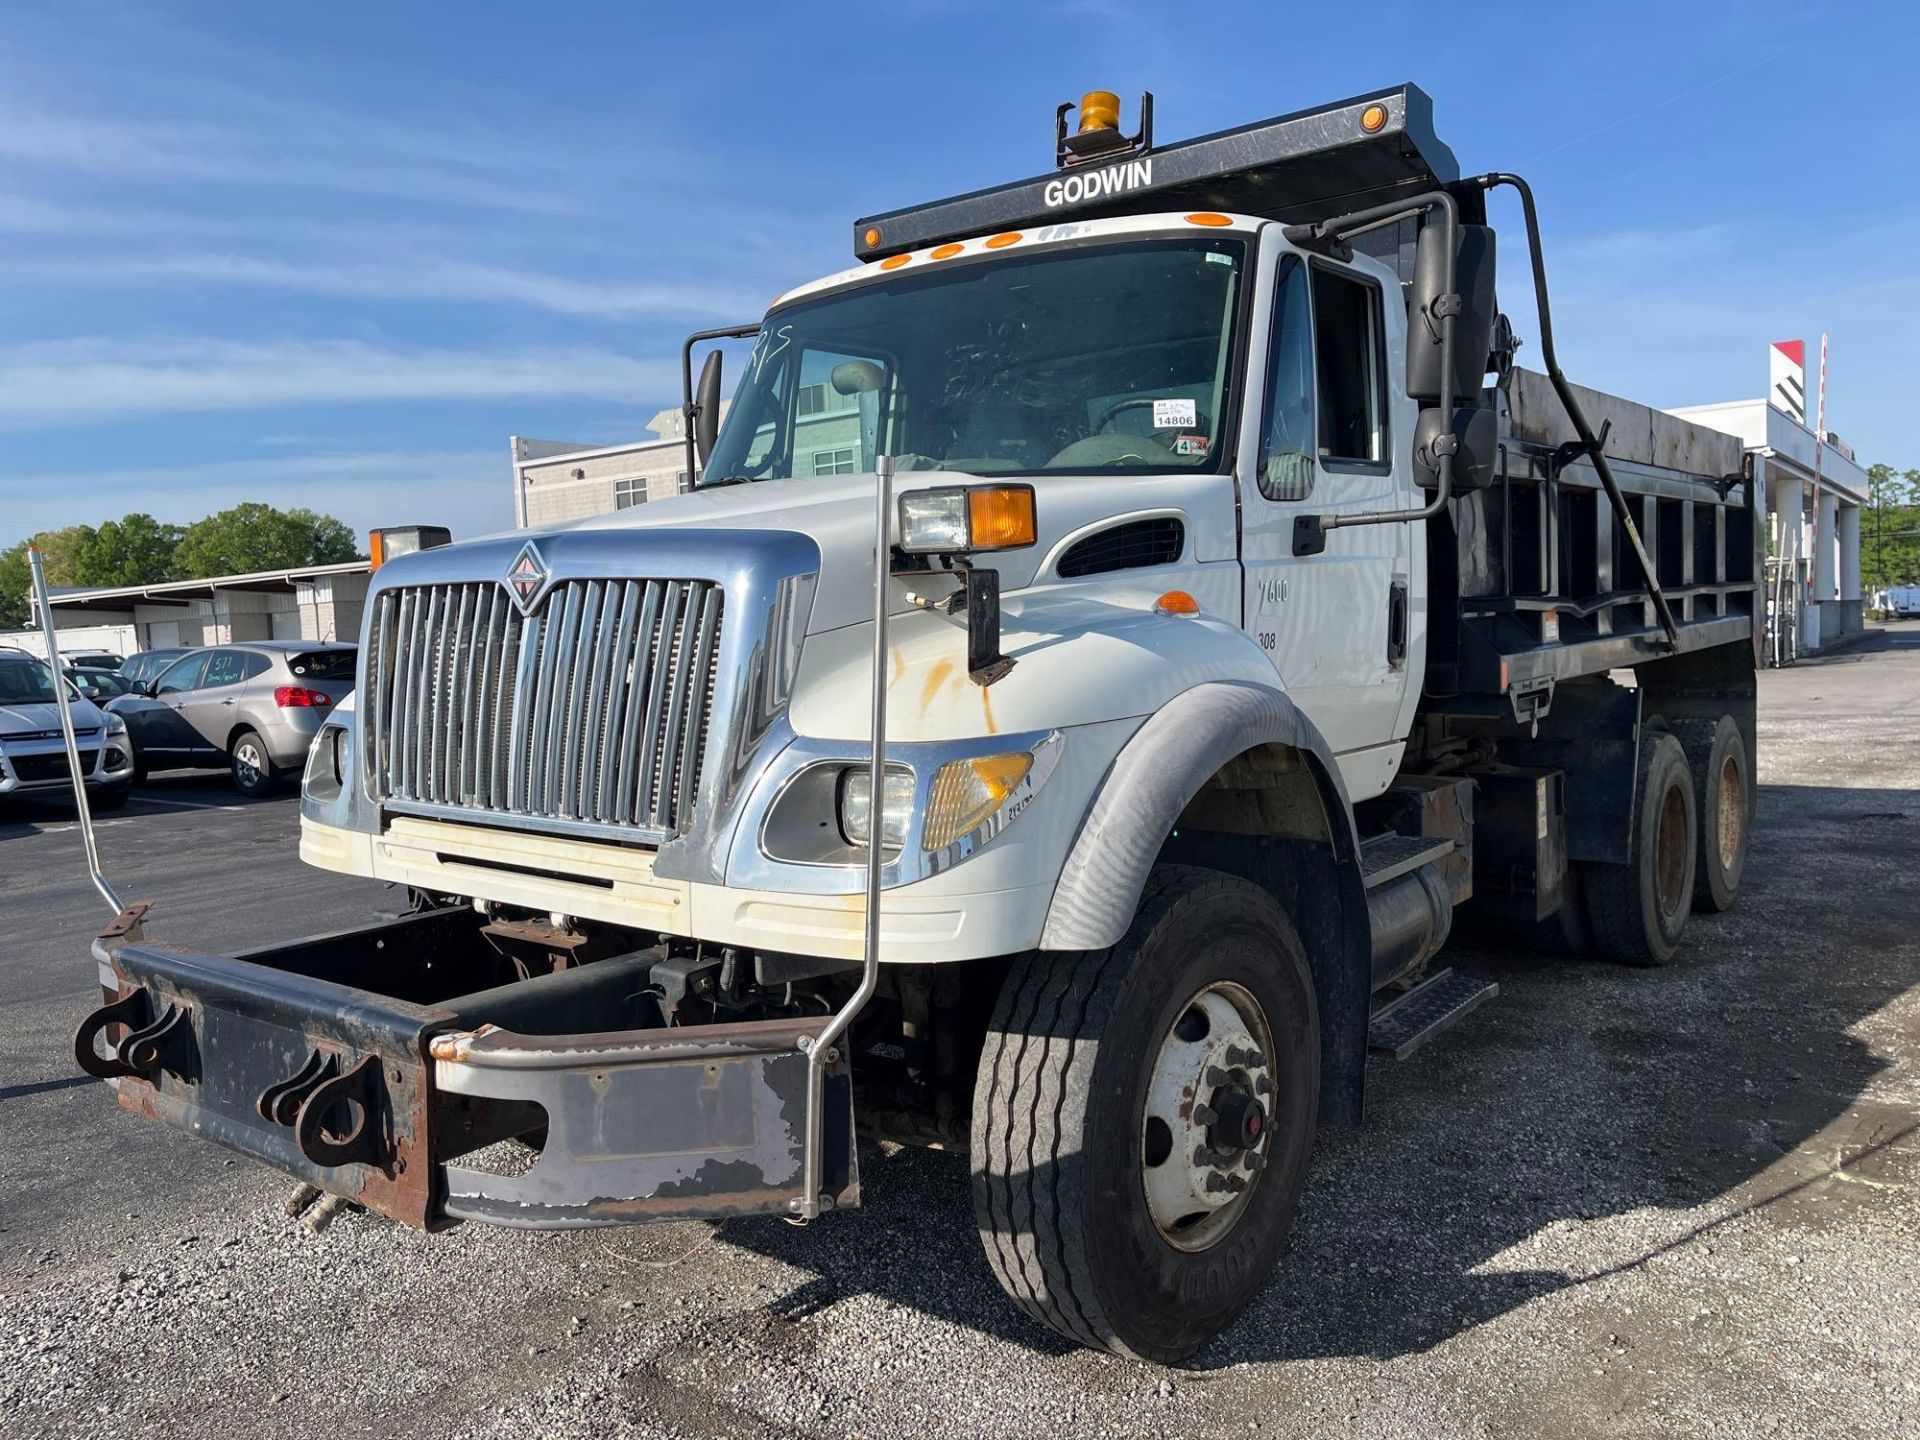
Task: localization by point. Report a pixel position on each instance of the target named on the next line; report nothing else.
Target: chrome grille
(592, 709)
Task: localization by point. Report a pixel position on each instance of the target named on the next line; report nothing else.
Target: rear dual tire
(1638, 910)
(1723, 799)
(1113, 1210)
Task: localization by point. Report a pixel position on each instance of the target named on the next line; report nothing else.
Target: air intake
(1124, 547)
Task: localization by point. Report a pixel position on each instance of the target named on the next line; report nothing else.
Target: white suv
(33, 757)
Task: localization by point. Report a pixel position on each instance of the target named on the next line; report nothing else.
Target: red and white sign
(1787, 378)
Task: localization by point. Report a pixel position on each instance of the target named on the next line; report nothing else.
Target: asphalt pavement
(1611, 1203)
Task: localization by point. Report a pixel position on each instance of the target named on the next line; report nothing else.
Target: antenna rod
(66, 730)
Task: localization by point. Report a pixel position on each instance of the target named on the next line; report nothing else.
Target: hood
(42, 722)
(837, 513)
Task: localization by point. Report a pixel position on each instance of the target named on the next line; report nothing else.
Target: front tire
(1638, 910)
(253, 773)
(1124, 1202)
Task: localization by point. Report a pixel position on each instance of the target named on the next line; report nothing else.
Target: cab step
(1388, 857)
(1403, 1025)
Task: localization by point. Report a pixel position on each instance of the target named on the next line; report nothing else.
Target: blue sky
(336, 254)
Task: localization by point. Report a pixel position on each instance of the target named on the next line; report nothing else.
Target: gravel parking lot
(1613, 1202)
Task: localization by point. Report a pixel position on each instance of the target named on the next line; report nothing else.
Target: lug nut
(1203, 1114)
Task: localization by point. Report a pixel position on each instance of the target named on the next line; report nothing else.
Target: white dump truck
(1229, 610)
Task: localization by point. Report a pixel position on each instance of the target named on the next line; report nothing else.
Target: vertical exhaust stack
(81, 809)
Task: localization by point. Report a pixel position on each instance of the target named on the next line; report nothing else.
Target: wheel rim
(248, 761)
(1733, 814)
(1672, 861)
(1207, 1128)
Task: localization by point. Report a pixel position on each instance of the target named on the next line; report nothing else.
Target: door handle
(1397, 625)
(228, 701)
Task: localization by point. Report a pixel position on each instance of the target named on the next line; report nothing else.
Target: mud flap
(342, 1060)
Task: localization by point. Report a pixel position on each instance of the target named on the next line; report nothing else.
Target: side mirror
(1477, 437)
(1433, 277)
(706, 415)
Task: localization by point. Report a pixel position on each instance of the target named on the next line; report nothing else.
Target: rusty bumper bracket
(340, 1060)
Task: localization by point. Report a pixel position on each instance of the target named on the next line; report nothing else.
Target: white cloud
(468, 490)
(403, 279)
(59, 382)
(323, 153)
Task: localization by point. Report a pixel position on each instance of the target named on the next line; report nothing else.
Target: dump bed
(1533, 579)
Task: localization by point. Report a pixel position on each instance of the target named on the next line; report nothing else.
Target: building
(312, 602)
(555, 481)
(1814, 489)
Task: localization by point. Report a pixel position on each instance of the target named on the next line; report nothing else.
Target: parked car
(33, 754)
(93, 659)
(142, 669)
(253, 708)
(96, 684)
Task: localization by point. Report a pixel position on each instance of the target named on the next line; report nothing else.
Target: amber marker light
(1000, 517)
(894, 262)
(1207, 217)
(1373, 119)
(872, 237)
(1000, 242)
(1177, 602)
(945, 252)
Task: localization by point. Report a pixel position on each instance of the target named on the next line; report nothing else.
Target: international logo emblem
(527, 577)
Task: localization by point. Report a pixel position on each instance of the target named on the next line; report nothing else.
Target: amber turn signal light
(1177, 602)
(1000, 517)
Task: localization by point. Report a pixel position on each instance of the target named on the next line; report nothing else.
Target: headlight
(964, 519)
(896, 806)
(968, 793)
(116, 724)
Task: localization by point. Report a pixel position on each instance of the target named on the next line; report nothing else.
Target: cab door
(1332, 436)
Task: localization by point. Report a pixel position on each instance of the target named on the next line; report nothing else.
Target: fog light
(896, 806)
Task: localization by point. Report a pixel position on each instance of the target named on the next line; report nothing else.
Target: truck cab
(1118, 623)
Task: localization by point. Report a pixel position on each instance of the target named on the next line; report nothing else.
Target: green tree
(60, 550)
(252, 536)
(1890, 529)
(133, 550)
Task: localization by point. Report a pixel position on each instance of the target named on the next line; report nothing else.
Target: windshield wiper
(712, 484)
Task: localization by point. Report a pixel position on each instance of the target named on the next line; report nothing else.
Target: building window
(628, 493)
(680, 482)
(813, 399)
(833, 462)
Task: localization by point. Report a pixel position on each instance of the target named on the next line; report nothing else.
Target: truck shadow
(1725, 1086)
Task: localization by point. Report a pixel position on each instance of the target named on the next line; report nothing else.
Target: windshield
(25, 682)
(1088, 359)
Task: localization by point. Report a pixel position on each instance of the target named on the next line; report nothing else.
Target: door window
(225, 667)
(1353, 372)
(182, 676)
(1287, 440)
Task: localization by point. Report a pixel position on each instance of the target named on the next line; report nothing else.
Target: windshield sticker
(1216, 257)
(1175, 415)
(1195, 445)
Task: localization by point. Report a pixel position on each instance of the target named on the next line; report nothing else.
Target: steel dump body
(1532, 579)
